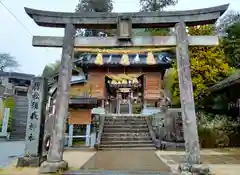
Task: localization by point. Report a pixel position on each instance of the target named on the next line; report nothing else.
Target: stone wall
(167, 125)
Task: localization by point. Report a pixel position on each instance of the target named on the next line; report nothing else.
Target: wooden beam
(186, 97)
(96, 20)
(137, 41)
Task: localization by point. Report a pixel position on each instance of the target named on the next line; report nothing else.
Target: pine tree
(230, 18)
(231, 45)
(156, 5)
(51, 69)
(93, 6)
(153, 6)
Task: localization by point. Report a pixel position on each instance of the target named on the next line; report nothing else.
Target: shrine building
(114, 81)
(120, 78)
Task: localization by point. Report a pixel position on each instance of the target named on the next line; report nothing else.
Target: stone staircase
(125, 132)
(19, 122)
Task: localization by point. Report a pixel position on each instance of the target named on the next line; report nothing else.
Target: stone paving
(75, 159)
(9, 150)
(220, 162)
(127, 160)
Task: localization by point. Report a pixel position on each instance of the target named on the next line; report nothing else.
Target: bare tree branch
(7, 61)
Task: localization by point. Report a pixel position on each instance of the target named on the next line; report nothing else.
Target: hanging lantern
(109, 59)
(99, 59)
(113, 82)
(150, 59)
(137, 59)
(125, 60)
(124, 82)
(135, 81)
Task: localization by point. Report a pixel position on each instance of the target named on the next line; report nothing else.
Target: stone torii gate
(124, 23)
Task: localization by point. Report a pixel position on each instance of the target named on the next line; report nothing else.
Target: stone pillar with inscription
(35, 123)
(70, 134)
(192, 162)
(5, 121)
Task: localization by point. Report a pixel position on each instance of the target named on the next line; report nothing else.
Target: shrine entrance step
(125, 132)
(124, 162)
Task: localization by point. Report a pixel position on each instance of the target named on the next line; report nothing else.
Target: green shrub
(136, 108)
(204, 135)
(217, 130)
(8, 103)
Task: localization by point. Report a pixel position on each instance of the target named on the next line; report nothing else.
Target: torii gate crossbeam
(139, 19)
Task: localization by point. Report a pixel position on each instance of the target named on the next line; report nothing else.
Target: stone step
(17, 137)
(124, 115)
(108, 129)
(22, 111)
(137, 122)
(19, 127)
(129, 138)
(125, 126)
(126, 149)
(125, 142)
(21, 103)
(130, 134)
(19, 122)
(136, 145)
(13, 134)
(125, 118)
(18, 130)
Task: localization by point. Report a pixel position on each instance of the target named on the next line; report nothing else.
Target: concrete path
(9, 150)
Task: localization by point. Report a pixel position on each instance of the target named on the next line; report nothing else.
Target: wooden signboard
(83, 89)
(97, 83)
(80, 116)
(152, 86)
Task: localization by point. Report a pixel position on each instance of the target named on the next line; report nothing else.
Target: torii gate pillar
(189, 119)
(55, 160)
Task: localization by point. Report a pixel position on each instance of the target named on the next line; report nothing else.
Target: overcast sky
(17, 40)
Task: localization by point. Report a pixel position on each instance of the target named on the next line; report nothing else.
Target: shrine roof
(74, 80)
(17, 75)
(229, 81)
(135, 60)
(83, 102)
